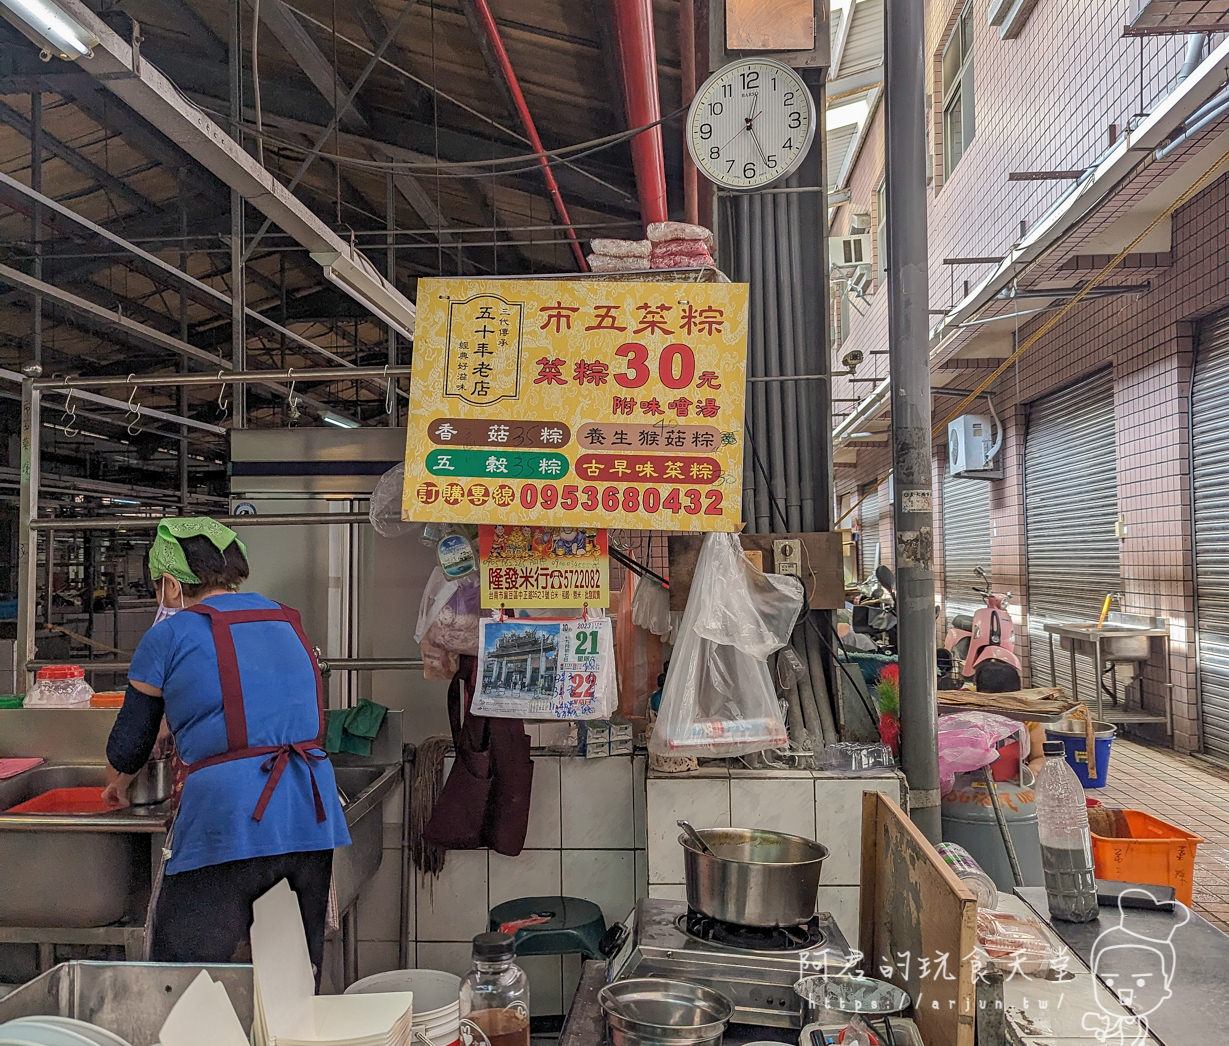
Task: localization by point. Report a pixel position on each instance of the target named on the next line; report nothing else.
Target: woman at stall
(238, 683)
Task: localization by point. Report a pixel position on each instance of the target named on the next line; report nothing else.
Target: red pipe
(687, 61)
(633, 25)
(487, 20)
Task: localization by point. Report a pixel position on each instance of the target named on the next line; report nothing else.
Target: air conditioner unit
(844, 251)
(972, 447)
(859, 223)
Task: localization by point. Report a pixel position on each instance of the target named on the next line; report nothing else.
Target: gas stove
(756, 967)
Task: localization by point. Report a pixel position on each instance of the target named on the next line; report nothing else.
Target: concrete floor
(1187, 792)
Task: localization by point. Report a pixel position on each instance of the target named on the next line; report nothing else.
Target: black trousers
(205, 915)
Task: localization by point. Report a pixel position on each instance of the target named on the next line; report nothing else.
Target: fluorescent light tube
(49, 27)
(329, 418)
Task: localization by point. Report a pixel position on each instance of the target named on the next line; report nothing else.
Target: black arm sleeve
(135, 732)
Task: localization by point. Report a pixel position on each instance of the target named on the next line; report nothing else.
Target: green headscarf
(166, 555)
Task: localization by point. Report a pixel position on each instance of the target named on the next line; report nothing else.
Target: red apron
(237, 746)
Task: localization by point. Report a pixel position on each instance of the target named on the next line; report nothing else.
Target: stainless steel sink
(72, 870)
(365, 789)
(1122, 638)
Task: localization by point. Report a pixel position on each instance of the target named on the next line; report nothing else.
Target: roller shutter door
(1071, 508)
(966, 542)
(1210, 483)
(868, 532)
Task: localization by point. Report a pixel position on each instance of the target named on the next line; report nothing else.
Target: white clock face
(750, 124)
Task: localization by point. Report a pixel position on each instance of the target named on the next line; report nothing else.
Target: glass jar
(60, 686)
(495, 995)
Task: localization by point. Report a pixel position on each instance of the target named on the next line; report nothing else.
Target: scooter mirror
(885, 577)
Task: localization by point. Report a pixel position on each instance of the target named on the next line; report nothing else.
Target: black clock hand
(751, 113)
(755, 138)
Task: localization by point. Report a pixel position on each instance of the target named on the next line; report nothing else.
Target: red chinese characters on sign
(648, 468)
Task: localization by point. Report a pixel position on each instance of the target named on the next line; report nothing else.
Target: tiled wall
(815, 805)
(586, 839)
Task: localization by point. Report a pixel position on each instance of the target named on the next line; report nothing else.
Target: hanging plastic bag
(968, 741)
(447, 623)
(651, 607)
(719, 698)
(385, 510)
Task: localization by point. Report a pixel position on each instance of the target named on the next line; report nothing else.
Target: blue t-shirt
(215, 822)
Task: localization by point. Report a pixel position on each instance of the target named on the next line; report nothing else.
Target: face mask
(164, 611)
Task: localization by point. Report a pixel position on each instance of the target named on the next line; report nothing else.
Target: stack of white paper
(288, 1013)
(203, 1016)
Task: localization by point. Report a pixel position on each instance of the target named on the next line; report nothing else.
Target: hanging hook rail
(69, 418)
(224, 378)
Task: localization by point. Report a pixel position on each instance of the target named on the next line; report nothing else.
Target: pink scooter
(981, 647)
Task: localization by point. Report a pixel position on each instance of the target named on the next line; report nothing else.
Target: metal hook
(390, 393)
(132, 393)
(223, 402)
(292, 404)
(133, 428)
(69, 419)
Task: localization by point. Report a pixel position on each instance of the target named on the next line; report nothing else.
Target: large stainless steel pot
(753, 877)
(153, 783)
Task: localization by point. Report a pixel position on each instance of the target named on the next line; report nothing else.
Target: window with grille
(959, 121)
(881, 203)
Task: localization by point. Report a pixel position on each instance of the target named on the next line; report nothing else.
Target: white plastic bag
(447, 623)
(719, 698)
(385, 510)
(651, 607)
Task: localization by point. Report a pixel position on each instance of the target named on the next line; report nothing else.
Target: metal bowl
(844, 996)
(649, 1011)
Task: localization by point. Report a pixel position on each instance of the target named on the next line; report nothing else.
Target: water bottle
(1066, 845)
(495, 995)
(960, 861)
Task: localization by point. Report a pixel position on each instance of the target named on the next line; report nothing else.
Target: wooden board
(769, 25)
(1041, 704)
(918, 923)
(823, 572)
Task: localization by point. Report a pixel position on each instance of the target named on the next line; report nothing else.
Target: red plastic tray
(64, 801)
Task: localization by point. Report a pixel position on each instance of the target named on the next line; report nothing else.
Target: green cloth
(166, 555)
(352, 730)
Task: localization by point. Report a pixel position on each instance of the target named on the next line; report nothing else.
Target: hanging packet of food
(539, 668)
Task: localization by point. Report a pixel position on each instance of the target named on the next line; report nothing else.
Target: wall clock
(750, 124)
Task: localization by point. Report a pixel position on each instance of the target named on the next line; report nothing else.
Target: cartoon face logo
(1137, 976)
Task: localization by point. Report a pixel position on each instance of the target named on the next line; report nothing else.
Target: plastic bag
(967, 741)
(1016, 945)
(385, 510)
(447, 623)
(719, 698)
(651, 607)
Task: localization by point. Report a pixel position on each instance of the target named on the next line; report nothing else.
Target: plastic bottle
(60, 686)
(495, 995)
(970, 873)
(1066, 844)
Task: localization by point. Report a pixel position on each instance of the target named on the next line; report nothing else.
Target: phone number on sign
(569, 497)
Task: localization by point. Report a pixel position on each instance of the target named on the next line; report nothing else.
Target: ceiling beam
(105, 180)
(375, 28)
(197, 29)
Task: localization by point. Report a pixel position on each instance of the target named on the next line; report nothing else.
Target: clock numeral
(774, 83)
(706, 131)
(795, 119)
(789, 97)
(771, 161)
(729, 166)
(748, 170)
(714, 152)
(750, 80)
(727, 90)
(715, 108)
(788, 143)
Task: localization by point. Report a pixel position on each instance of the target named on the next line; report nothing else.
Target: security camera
(852, 359)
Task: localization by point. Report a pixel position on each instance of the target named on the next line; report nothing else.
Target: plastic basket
(64, 801)
(1155, 852)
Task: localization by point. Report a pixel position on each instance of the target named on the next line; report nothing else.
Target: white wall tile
(842, 902)
(392, 836)
(838, 824)
(705, 802)
(455, 908)
(376, 957)
(379, 905)
(597, 803)
(394, 804)
(640, 765)
(544, 815)
(642, 874)
(777, 804)
(442, 955)
(545, 973)
(668, 891)
(605, 877)
(535, 873)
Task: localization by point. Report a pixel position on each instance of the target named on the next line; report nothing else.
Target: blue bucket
(1072, 736)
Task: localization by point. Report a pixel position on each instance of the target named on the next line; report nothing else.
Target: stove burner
(752, 938)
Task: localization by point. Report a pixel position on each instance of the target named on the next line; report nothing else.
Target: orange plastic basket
(1155, 852)
(107, 699)
(64, 801)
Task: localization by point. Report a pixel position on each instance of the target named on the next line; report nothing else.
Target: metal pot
(651, 1011)
(753, 877)
(152, 784)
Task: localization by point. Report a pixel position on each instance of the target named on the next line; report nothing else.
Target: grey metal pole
(238, 325)
(908, 301)
(27, 551)
(36, 223)
(390, 262)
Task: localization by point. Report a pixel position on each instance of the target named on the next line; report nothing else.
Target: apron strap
(295, 621)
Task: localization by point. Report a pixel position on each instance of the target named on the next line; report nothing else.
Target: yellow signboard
(572, 403)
